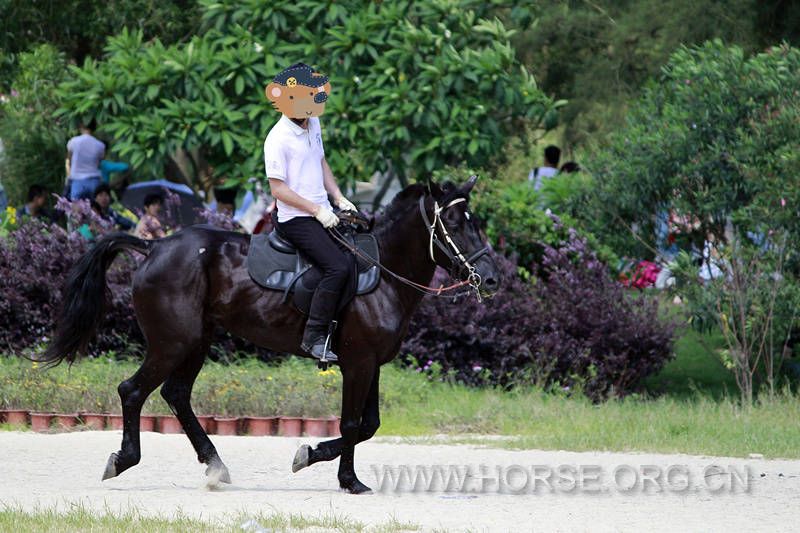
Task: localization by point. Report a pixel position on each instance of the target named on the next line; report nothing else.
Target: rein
(473, 279)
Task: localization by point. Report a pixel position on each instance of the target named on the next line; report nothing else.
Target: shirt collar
(297, 130)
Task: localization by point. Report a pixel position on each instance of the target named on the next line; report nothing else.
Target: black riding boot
(320, 316)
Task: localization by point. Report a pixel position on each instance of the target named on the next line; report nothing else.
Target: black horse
(197, 279)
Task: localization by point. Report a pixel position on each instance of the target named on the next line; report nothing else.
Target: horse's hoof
(217, 473)
(111, 467)
(356, 487)
(301, 458)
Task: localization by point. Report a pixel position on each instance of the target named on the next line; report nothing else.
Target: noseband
(449, 247)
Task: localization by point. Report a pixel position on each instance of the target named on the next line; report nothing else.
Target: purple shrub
(34, 261)
(79, 212)
(573, 325)
(216, 219)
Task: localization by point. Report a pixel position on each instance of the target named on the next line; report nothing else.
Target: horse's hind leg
(331, 449)
(177, 391)
(133, 392)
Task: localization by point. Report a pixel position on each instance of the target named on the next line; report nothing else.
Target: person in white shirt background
(552, 154)
(301, 181)
(84, 153)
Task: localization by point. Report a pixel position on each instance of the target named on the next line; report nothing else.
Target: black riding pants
(314, 241)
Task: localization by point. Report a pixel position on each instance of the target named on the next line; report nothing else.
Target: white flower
(258, 48)
(356, 80)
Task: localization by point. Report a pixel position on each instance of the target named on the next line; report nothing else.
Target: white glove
(326, 217)
(346, 205)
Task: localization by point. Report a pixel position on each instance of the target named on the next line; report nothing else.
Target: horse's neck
(404, 251)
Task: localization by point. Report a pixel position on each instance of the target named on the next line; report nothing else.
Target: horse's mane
(399, 205)
(408, 198)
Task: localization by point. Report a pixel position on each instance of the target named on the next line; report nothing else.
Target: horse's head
(456, 242)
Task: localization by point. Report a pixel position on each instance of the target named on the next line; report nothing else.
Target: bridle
(448, 248)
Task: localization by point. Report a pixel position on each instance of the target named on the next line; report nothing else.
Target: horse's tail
(84, 297)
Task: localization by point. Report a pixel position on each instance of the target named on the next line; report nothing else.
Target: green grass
(696, 368)
(249, 387)
(696, 425)
(79, 518)
(412, 405)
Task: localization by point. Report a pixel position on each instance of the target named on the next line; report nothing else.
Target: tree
(78, 28)
(716, 140)
(715, 137)
(600, 54)
(416, 86)
(34, 143)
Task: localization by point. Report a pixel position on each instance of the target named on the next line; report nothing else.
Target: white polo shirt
(294, 155)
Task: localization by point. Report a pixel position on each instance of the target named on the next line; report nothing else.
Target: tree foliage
(715, 137)
(34, 142)
(79, 28)
(599, 54)
(416, 85)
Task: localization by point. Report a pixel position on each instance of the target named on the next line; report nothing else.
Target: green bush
(34, 140)
(753, 303)
(516, 223)
(517, 220)
(717, 137)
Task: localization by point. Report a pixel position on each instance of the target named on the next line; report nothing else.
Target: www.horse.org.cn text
(563, 479)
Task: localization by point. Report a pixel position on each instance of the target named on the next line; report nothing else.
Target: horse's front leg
(356, 383)
(331, 449)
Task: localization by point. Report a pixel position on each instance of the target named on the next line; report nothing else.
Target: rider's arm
(282, 192)
(330, 182)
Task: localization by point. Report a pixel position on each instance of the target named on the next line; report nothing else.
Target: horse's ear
(467, 187)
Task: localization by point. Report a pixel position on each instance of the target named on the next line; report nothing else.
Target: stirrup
(323, 362)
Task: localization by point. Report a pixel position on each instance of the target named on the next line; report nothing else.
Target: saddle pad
(277, 270)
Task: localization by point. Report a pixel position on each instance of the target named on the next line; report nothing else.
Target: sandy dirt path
(506, 490)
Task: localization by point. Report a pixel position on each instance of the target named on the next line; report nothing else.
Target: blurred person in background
(552, 154)
(101, 203)
(36, 206)
(149, 226)
(84, 153)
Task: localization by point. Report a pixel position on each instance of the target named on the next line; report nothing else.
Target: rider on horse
(301, 181)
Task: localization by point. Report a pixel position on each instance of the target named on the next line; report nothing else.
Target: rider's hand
(326, 217)
(346, 205)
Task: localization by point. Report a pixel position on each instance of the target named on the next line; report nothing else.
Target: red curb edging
(285, 426)
(315, 427)
(147, 423)
(226, 425)
(17, 417)
(66, 422)
(169, 424)
(40, 422)
(94, 421)
(114, 422)
(290, 426)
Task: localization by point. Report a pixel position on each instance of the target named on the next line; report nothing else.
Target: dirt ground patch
(487, 489)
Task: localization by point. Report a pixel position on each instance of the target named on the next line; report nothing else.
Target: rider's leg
(312, 240)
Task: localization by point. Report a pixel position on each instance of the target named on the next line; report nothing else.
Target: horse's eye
(451, 216)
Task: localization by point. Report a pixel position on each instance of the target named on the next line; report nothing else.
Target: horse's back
(186, 255)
